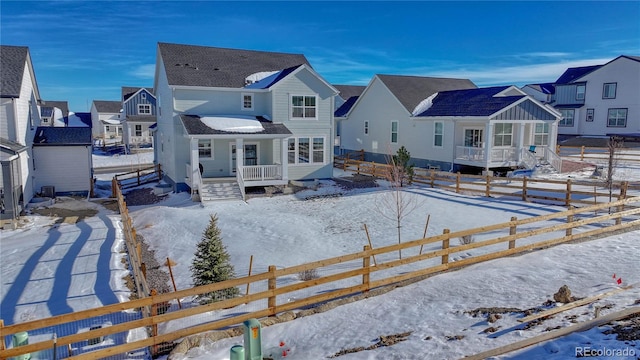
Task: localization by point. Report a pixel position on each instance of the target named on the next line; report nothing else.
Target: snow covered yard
(316, 224)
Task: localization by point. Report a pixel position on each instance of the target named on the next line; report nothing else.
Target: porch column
(240, 157)
(195, 162)
(521, 141)
(487, 145)
(284, 151)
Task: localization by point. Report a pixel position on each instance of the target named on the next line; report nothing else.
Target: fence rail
(136, 178)
(273, 289)
(583, 153)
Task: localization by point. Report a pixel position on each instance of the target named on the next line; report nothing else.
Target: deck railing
(262, 172)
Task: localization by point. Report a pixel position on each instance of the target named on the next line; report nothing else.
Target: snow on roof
(233, 123)
(424, 105)
(255, 77)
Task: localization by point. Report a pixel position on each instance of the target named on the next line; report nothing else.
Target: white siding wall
(26, 174)
(168, 123)
(624, 72)
(305, 83)
(7, 119)
(68, 168)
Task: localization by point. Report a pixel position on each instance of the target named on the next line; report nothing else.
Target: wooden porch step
(219, 191)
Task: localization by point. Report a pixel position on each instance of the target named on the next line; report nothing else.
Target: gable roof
(411, 90)
(574, 73)
(107, 106)
(12, 62)
(57, 136)
(349, 91)
(46, 108)
(128, 91)
(85, 118)
(545, 88)
(194, 126)
(470, 102)
(191, 65)
(272, 79)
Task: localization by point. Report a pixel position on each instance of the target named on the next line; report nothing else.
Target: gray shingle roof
(106, 106)
(127, 91)
(411, 90)
(348, 91)
(192, 65)
(46, 135)
(12, 62)
(62, 105)
(142, 118)
(195, 126)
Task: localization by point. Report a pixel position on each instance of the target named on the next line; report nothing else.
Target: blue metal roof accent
(470, 102)
(574, 73)
(46, 135)
(271, 80)
(568, 106)
(344, 108)
(153, 127)
(85, 117)
(547, 88)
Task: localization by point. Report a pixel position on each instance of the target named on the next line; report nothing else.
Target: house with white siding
(139, 109)
(600, 100)
(19, 118)
(54, 113)
(234, 119)
(344, 101)
(106, 121)
(450, 124)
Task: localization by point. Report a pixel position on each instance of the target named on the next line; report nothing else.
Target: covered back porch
(504, 143)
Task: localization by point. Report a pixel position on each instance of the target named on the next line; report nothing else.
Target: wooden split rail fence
(274, 292)
(562, 192)
(136, 178)
(600, 154)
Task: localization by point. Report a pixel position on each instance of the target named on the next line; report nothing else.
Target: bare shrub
(309, 274)
(466, 239)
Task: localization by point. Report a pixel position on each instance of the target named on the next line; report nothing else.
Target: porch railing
(262, 172)
(504, 154)
(470, 153)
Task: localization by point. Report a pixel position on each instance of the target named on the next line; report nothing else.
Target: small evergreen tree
(211, 264)
(401, 159)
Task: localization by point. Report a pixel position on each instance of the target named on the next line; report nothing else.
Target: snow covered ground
(48, 267)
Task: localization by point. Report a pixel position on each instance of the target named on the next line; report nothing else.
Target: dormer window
(144, 109)
(247, 101)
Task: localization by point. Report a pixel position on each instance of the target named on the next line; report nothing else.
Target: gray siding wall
(566, 94)
(131, 105)
(7, 119)
(219, 102)
(526, 110)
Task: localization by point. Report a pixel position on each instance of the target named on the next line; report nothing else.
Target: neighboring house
(19, 117)
(344, 101)
(255, 117)
(542, 92)
(448, 128)
(63, 160)
(600, 100)
(54, 113)
(106, 121)
(139, 108)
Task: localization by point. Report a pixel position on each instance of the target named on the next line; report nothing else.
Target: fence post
(622, 196)
(1, 334)
(154, 327)
(271, 302)
(582, 153)
(569, 221)
(458, 182)
(512, 231)
(524, 188)
(567, 201)
(366, 265)
(433, 177)
(114, 184)
(445, 245)
(487, 191)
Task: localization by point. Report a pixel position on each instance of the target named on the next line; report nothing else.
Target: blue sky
(87, 50)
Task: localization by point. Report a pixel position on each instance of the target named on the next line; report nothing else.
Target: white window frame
(146, 107)
(541, 134)
(500, 134)
(394, 131)
(243, 103)
(581, 94)
(294, 153)
(437, 134)
(304, 107)
(616, 118)
(366, 127)
(210, 148)
(606, 90)
(564, 122)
